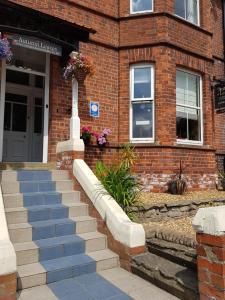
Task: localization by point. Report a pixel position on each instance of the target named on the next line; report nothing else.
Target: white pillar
(75, 143)
(2, 105)
(75, 120)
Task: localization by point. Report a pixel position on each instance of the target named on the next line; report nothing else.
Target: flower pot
(223, 184)
(87, 140)
(101, 146)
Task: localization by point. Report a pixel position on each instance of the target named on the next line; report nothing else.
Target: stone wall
(160, 211)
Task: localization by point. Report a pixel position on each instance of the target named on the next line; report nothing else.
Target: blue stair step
(37, 186)
(60, 246)
(68, 267)
(52, 228)
(37, 175)
(47, 212)
(42, 198)
(87, 287)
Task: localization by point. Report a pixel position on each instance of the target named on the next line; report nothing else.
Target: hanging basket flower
(78, 67)
(5, 49)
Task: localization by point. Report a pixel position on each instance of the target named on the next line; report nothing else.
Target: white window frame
(142, 100)
(198, 15)
(192, 142)
(141, 11)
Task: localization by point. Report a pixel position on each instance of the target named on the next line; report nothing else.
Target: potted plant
(5, 49)
(78, 67)
(178, 186)
(102, 138)
(86, 134)
(221, 176)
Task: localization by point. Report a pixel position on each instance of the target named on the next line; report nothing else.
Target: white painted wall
(123, 230)
(7, 252)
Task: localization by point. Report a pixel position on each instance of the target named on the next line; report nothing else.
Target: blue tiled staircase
(53, 236)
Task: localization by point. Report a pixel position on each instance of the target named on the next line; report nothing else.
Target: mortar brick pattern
(121, 40)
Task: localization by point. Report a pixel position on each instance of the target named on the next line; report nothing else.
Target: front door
(23, 124)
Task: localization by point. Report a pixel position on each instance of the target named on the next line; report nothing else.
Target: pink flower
(106, 132)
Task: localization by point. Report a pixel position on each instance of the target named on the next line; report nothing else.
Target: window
(189, 108)
(188, 10)
(139, 6)
(142, 104)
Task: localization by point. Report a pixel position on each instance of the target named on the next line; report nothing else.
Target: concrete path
(111, 284)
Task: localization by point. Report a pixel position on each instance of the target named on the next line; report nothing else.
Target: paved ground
(112, 284)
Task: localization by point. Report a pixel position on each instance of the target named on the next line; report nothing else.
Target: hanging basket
(80, 75)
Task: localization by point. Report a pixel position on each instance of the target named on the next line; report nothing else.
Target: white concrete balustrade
(7, 252)
(123, 230)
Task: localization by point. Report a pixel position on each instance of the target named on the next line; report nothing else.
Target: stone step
(45, 212)
(12, 187)
(178, 280)
(34, 175)
(28, 166)
(177, 253)
(52, 248)
(66, 267)
(23, 232)
(44, 198)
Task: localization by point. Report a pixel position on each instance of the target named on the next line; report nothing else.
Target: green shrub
(119, 183)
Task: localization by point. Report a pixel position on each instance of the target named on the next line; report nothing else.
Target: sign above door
(36, 44)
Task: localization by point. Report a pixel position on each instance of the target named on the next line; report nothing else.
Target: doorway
(23, 124)
(26, 100)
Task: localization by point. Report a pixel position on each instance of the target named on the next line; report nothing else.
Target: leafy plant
(128, 156)
(119, 183)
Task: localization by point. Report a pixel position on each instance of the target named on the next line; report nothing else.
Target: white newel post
(75, 120)
(75, 143)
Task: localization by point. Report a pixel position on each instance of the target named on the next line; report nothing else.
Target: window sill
(141, 12)
(189, 143)
(146, 141)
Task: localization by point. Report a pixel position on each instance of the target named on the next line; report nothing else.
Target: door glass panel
(19, 118)
(28, 59)
(17, 77)
(39, 81)
(7, 117)
(16, 98)
(38, 119)
(39, 101)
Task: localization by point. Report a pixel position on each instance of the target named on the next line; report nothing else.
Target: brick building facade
(156, 57)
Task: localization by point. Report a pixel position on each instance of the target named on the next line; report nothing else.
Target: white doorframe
(2, 106)
(46, 105)
(46, 109)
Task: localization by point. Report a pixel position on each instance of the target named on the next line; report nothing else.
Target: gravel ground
(151, 198)
(181, 226)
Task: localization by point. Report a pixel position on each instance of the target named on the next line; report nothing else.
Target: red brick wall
(161, 39)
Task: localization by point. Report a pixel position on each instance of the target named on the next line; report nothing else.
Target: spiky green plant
(119, 183)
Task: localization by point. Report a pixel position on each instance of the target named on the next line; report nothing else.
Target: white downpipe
(75, 120)
(123, 230)
(46, 109)
(2, 106)
(7, 252)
